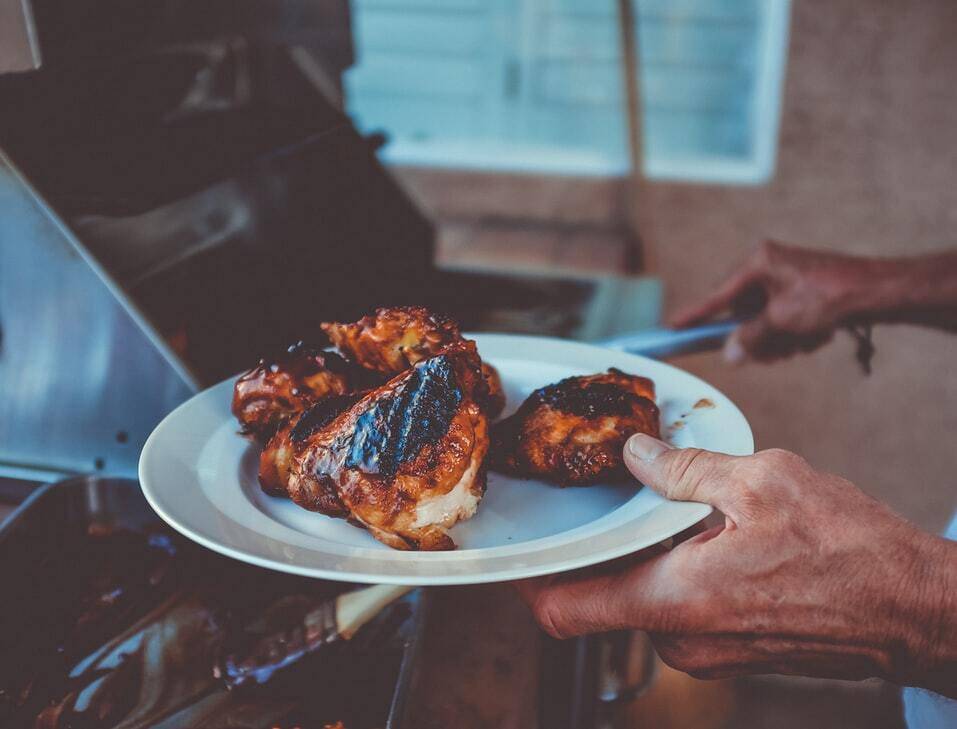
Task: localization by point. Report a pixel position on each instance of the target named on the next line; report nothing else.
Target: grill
(180, 193)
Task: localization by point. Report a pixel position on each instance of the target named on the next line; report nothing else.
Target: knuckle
(549, 614)
(765, 479)
(688, 469)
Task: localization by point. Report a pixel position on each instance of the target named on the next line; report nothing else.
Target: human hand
(807, 575)
(802, 296)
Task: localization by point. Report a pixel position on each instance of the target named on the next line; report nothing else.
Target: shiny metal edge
(659, 343)
(139, 318)
(409, 667)
(7, 524)
(19, 42)
(30, 25)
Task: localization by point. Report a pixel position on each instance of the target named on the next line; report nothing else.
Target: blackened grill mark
(395, 429)
(589, 400)
(320, 415)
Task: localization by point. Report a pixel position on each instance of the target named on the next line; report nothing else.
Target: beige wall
(868, 164)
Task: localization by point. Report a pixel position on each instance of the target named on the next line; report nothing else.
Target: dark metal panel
(86, 536)
(83, 378)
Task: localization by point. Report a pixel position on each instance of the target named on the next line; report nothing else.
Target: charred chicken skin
(403, 458)
(277, 457)
(392, 340)
(407, 460)
(495, 393)
(275, 390)
(573, 432)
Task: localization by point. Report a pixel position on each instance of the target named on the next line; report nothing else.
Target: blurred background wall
(867, 164)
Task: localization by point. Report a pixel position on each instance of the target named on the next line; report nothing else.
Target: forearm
(919, 290)
(929, 623)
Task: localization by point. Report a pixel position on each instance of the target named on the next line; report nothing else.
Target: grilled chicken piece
(573, 432)
(392, 340)
(495, 393)
(276, 460)
(407, 460)
(272, 391)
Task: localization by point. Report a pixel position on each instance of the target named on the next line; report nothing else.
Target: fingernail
(646, 448)
(733, 352)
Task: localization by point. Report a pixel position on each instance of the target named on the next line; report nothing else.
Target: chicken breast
(277, 457)
(407, 460)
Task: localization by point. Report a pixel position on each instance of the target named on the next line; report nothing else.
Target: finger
(810, 342)
(576, 605)
(714, 655)
(733, 352)
(705, 657)
(529, 589)
(759, 340)
(746, 340)
(579, 604)
(689, 533)
(682, 474)
(719, 300)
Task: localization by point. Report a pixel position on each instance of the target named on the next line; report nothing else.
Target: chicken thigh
(573, 432)
(274, 390)
(393, 339)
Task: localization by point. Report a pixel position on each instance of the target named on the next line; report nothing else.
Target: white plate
(200, 476)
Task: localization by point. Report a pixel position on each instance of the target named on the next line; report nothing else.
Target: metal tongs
(661, 342)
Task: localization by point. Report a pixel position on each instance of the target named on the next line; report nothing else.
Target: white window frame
(757, 168)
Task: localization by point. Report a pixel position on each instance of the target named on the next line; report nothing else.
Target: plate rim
(695, 511)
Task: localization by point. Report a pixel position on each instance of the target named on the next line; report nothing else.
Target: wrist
(927, 619)
(869, 287)
(893, 289)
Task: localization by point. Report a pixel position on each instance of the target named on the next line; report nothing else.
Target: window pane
(535, 85)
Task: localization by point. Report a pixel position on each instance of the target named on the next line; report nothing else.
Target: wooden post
(640, 254)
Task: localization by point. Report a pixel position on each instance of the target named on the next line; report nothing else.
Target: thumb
(682, 474)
